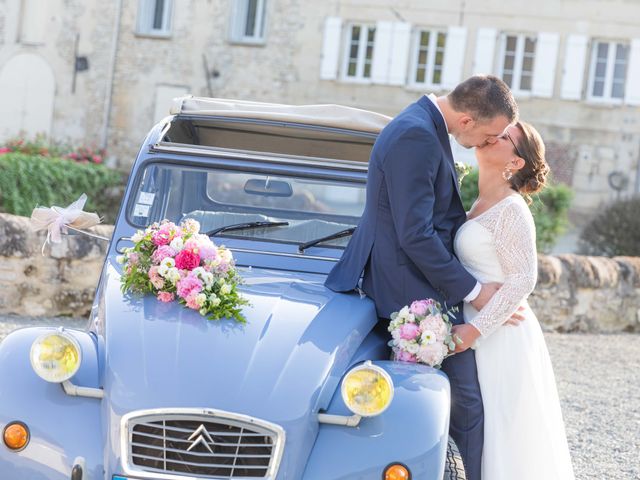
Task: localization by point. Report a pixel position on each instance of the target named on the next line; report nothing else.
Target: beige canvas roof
(324, 115)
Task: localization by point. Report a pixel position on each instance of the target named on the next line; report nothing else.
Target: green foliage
(549, 208)
(614, 231)
(27, 181)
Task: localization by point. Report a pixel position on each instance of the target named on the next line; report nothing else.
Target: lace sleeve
(514, 236)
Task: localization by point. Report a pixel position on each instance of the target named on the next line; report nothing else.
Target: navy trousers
(466, 426)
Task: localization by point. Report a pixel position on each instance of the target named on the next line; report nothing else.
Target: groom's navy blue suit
(404, 244)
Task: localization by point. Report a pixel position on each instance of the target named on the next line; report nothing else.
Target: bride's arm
(514, 236)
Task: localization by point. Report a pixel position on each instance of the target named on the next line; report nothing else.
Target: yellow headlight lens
(367, 390)
(56, 357)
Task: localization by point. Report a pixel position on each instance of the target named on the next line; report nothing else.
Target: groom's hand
(486, 292)
(464, 336)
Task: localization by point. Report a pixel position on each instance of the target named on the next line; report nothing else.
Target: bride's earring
(507, 174)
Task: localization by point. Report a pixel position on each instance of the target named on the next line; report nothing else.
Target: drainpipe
(112, 70)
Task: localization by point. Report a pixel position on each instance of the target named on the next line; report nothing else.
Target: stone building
(103, 72)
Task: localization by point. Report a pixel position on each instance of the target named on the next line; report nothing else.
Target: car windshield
(312, 207)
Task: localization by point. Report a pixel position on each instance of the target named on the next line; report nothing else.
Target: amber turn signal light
(16, 436)
(396, 471)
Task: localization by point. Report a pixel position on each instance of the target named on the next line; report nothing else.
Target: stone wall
(574, 293)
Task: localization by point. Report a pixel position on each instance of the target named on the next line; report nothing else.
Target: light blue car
(304, 390)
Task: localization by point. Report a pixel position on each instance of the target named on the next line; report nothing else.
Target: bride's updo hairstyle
(532, 177)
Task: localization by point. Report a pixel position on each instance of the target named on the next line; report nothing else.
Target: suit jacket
(404, 240)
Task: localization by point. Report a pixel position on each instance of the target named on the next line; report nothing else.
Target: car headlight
(56, 356)
(367, 390)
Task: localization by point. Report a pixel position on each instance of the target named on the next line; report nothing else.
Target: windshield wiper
(343, 233)
(245, 226)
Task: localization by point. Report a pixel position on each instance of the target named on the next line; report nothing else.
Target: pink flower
(4, 150)
(403, 356)
(155, 278)
(166, 297)
(133, 258)
(409, 331)
(188, 285)
(420, 307)
(162, 252)
(192, 302)
(167, 232)
(187, 260)
(431, 354)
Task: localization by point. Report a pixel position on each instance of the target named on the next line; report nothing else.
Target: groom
(404, 241)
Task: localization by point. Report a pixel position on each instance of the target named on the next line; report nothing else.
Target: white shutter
(145, 16)
(381, 52)
(632, 87)
(400, 46)
(11, 21)
(484, 57)
(545, 63)
(34, 21)
(455, 47)
(331, 48)
(575, 57)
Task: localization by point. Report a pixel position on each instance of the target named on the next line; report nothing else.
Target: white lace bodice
(499, 245)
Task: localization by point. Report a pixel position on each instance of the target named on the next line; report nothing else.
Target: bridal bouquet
(177, 263)
(421, 333)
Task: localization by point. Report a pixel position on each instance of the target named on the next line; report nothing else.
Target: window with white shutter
(484, 57)
(517, 62)
(428, 57)
(359, 52)
(331, 48)
(608, 71)
(154, 17)
(248, 21)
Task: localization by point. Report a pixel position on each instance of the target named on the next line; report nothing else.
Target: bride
(524, 435)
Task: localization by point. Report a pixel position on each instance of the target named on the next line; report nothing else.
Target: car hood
(282, 366)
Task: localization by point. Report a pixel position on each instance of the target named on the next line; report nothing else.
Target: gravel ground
(598, 380)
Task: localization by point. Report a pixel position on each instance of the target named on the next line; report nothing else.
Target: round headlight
(56, 356)
(367, 390)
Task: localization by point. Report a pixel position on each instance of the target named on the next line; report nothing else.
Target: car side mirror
(268, 188)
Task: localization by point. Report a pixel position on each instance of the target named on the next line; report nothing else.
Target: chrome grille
(208, 444)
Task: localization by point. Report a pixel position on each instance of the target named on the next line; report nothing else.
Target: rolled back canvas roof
(335, 116)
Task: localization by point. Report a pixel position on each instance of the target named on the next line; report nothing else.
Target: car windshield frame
(303, 171)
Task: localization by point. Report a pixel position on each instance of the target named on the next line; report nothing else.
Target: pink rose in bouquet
(187, 260)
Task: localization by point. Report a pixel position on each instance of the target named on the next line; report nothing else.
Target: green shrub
(27, 181)
(549, 209)
(614, 231)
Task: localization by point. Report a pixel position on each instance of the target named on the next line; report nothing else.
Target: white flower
(177, 244)
(173, 275)
(225, 289)
(199, 272)
(191, 226)
(203, 311)
(201, 298)
(214, 300)
(121, 259)
(168, 262)
(412, 347)
(163, 270)
(403, 313)
(137, 237)
(207, 278)
(411, 318)
(428, 337)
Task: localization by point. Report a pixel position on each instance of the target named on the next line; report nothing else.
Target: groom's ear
(466, 121)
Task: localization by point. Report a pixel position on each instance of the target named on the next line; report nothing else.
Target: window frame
(431, 55)
(607, 98)
(239, 23)
(518, 61)
(146, 12)
(365, 27)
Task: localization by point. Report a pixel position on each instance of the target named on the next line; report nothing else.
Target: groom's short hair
(484, 97)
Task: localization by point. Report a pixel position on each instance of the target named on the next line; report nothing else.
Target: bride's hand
(464, 336)
(516, 318)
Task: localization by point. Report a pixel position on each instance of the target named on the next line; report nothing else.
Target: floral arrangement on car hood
(177, 263)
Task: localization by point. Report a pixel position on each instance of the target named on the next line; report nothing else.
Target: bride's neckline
(511, 195)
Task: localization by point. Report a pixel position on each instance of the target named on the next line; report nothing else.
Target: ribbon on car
(56, 220)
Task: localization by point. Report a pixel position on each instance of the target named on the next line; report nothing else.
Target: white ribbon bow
(56, 219)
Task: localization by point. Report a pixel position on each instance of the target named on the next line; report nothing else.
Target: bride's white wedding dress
(524, 436)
